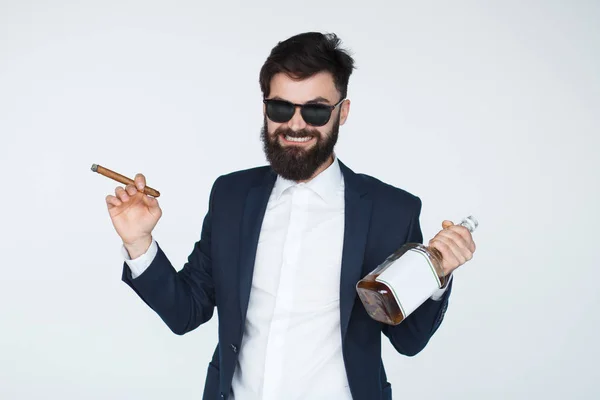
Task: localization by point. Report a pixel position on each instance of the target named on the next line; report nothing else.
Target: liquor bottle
(404, 281)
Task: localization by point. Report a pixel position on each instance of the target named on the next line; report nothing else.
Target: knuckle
(449, 265)
(448, 241)
(461, 230)
(440, 245)
(442, 233)
(454, 236)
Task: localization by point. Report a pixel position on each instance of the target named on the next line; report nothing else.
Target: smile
(290, 139)
(299, 139)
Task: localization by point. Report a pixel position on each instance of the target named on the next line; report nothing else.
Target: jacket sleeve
(185, 299)
(412, 335)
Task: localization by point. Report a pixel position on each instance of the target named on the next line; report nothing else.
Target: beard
(294, 162)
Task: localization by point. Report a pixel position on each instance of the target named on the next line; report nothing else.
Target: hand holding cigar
(133, 212)
(123, 179)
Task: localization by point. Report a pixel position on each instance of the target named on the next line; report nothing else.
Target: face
(295, 149)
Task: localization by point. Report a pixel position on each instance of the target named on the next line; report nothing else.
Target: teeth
(300, 139)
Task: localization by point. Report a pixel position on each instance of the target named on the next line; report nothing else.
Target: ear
(344, 111)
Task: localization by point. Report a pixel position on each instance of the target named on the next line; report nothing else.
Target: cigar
(123, 179)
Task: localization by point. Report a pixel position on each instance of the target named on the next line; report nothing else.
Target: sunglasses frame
(330, 107)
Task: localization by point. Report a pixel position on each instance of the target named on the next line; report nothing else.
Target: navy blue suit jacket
(379, 218)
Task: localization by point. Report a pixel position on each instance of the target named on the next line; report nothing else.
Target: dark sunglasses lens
(280, 111)
(315, 114)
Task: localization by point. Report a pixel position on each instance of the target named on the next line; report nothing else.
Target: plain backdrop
(488, 108)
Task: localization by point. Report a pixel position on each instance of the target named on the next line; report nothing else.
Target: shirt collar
(326, 184)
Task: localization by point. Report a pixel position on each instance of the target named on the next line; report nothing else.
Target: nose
(297, 122)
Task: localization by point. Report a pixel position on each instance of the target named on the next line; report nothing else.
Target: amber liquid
(379, 301)
(377, 298)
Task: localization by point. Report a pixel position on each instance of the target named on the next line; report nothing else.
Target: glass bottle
(404, 281)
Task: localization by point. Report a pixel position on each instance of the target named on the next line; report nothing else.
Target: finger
(150, 201)
(452, 249)
(121, 194)
(460, 249)
(456, 237)
(449, 261)
(112, 201)
(465, 234)
(140, 181)
(131, 190)
(461, 230)
(447, 224)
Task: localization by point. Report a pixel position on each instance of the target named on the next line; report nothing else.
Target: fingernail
(140, 186)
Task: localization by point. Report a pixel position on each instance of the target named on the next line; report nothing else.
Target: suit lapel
(356, 227)
(254, 212)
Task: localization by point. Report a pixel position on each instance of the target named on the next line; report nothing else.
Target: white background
(483, 108)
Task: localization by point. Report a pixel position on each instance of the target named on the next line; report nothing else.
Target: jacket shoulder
(241, 180)
(384, 193)
(248, 174)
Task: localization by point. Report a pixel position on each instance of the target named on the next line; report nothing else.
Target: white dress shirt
(291, 347)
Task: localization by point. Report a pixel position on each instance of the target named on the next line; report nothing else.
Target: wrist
(138, 247)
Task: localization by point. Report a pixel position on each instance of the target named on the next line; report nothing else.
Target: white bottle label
(412, 280)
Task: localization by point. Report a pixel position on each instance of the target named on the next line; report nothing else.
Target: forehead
(301, 91)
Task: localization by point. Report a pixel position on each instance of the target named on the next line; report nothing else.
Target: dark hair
(306, 54)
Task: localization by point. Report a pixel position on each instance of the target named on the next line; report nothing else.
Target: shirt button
(222, 396)
(233, 347)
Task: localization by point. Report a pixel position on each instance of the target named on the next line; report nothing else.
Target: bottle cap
(470, 223)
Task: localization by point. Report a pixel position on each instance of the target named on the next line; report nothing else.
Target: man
(283, 246)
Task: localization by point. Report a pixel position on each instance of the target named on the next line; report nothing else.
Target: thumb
(447, 224)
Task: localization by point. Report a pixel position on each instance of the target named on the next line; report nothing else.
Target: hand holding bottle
(134, 215)
(410, 275)
(455, 244)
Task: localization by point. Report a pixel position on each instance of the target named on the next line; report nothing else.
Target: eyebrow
(316, 100)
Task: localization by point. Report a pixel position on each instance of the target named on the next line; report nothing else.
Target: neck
(321, 168)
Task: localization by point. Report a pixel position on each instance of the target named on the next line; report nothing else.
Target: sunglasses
(314, 114)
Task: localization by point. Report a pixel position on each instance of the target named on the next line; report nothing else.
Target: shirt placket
(284, 301)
